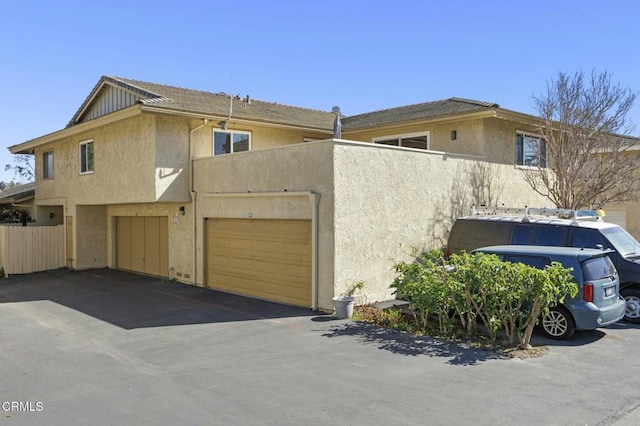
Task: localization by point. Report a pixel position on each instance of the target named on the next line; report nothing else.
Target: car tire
(632, 304)
(558, 324)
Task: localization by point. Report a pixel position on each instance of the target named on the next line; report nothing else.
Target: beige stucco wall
(376, 203)
(171, 159)
(389, 201)
(90, 250)
(469, 135)
(298, 169)
(500, 140)
(262, 137)
(124, 165)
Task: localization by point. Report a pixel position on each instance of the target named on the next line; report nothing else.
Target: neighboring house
(257, 198)
(19, 197)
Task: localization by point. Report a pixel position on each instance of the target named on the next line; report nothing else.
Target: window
(550, 236)
(590, 238)
(229, 142)
(47, 165)
(538, 262)
(522, 234)
(86, 157)
(409, 140)
(598, 268)
(531, 150)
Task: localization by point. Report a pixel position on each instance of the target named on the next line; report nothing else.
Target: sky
(359, 55)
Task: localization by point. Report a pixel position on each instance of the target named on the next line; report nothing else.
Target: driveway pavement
(106, 347)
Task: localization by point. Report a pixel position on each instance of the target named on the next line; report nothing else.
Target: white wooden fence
(26, 249)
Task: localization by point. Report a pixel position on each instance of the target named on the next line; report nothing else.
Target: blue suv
(598, 302)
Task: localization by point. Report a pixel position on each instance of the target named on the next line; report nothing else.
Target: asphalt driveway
(106, 347)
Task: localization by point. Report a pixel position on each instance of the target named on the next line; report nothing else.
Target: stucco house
(258, 198)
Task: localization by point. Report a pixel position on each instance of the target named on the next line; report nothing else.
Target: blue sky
(359, 55)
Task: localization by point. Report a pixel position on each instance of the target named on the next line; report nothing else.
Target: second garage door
(142, 244)
(268, 259)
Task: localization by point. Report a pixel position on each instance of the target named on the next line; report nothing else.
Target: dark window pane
(222, 143)
(550, 236)
(598, 268)
(535, 261)
(240, 142)
(587, 238)
(522, 234)
(519, 149)
(419, 142)
(394, 142)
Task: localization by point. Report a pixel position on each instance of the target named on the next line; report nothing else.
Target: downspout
(194, 199)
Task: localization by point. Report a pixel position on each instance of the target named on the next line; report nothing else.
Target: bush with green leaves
(481, 288)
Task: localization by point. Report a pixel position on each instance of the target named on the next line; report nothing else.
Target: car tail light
(587, 292)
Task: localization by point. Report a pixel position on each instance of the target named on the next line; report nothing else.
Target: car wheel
(632, 304)
(558, 323)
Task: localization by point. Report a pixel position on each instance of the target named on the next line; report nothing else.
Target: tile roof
(451, 106)
(196, 101)
(180, 99)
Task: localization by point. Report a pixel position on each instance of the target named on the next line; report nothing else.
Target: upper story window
(408, 140)
(531, 150)
(86, 156)
(47, 165)
(227, 142)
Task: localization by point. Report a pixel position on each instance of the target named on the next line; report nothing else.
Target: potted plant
(343, 303)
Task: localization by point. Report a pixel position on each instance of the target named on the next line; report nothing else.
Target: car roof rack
(530, 212)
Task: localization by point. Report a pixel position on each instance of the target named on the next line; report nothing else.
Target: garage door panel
(269, 259)
(123, 242)
(151, 245)
(142, 244)
(137, 244)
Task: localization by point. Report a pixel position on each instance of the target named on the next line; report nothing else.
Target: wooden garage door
(142, 244)
(268, 259)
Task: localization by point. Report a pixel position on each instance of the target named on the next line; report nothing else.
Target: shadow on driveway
(131, 301)
(409, 345)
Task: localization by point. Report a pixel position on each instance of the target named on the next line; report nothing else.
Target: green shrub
(479, 287)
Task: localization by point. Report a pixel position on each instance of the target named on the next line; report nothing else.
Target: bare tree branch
(22, 166)
(591, 157)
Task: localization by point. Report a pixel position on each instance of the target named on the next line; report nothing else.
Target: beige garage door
(142, 244)
(268, 259)
(617, 216)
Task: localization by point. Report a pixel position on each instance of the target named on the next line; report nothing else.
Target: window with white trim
(86, 156)
(531, 150)
(227, 142)
(47, 165)
(408, 140)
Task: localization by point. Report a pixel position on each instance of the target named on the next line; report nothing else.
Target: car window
(622, 241)
(598, 268)
(550, 235)
(536, 261)
(590, 238)
(521, 234)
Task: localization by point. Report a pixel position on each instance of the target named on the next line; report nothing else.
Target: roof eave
(429, 120)
(200, 115)
(28, 146)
